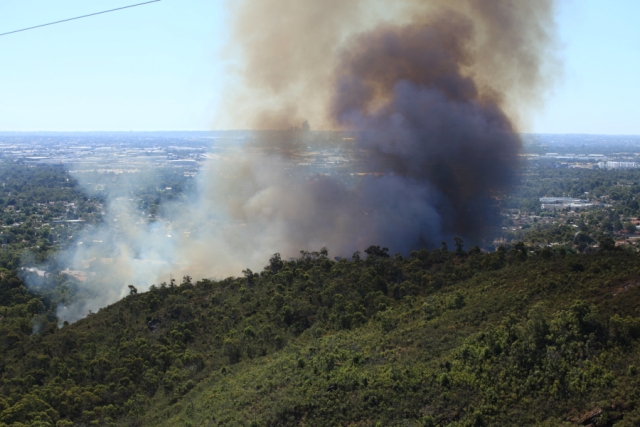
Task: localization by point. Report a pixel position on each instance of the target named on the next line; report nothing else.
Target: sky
(599, 89)
(162, 67)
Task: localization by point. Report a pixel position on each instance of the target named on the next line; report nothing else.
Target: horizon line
(268, 130)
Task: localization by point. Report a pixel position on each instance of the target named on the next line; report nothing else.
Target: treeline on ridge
(439, 338)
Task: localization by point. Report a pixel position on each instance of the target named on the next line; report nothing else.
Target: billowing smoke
(432, 92)
(435, 91)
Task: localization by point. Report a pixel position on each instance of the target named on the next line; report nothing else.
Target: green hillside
(441, 338)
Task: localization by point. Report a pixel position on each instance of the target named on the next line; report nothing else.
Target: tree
(459, 245)
(275, 263)
(377, 251)
(630, 227)
(248, 275)
(607, 243)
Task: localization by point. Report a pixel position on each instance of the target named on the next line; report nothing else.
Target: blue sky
(160, 67)
(154, 67)
(600, 89)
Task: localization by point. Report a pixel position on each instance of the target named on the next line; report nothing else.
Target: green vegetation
(615, 195)
(36, 205)
(545, 332)
(43, 209)
(149, 189)
(622, 185)
(440, 338)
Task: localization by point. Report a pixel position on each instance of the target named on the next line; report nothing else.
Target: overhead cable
(79, 17)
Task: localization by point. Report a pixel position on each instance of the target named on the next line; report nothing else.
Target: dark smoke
(429, 126)
(435, 90)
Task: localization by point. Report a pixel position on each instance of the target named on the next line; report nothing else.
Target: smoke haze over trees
(434, 92)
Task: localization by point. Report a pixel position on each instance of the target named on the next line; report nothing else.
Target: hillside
(441, 338)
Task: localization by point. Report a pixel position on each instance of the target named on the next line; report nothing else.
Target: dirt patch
(625, 287)
(590, 418)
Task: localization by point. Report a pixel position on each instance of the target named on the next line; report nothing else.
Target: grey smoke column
(449, 147)
(436, 91)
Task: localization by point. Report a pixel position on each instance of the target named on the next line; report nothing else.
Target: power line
(79, 17)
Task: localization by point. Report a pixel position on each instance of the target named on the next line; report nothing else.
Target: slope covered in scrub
(442, 338)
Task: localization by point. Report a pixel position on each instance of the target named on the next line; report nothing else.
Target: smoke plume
(433, 93)
(435, 90)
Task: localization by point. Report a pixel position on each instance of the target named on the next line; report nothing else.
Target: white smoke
(435, 90)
